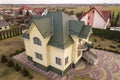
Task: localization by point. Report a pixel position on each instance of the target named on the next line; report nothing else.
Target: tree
(112, 19)
(20, 12)
(27, 13)
(117, 19)
(10, 63)
(79, 15)
(3, 59)
(25, 72)
(17, 67)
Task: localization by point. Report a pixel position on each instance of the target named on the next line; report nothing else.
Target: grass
(104, 43)
(114, 9)
(10, 45)
(7, 47)
(7, 73)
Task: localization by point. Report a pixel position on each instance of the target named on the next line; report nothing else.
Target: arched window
(37, 41)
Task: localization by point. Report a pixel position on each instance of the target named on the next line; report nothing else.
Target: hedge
(108, 34)
(10, 33)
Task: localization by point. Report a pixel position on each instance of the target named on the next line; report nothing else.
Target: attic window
(37, 41)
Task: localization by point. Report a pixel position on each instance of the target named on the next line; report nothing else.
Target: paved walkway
(108, 67)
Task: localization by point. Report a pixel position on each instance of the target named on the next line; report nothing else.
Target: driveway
(108, 67)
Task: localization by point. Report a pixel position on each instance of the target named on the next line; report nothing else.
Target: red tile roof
(27, 8)
(38, 10)
(104, 14)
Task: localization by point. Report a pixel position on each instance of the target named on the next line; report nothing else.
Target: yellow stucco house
(56, 41)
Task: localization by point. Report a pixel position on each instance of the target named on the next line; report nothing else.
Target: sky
(59, 1)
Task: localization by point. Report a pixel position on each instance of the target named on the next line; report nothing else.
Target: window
(37, 41)
(66, 60)
(79, 53)
(5, 27)
(58, 61)
(88, 17)
(93, 11)
(39, 56)
(88, 23)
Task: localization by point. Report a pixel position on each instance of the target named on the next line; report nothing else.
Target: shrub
(30, 77)
(10, 63)
(102, 39)
(99, 45)
(3, 59)
(94, 40)
(111, 46)
(118, 45)
(17, 67)
(25, 72)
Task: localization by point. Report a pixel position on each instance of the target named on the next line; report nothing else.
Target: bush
(3, 59)
(118, 45)
(94, 40)
(10, 63)
(25, 72)
(30, 77)
(17, 67)
(108, 34)
(102, 39)
(99, 45)
(111, 46)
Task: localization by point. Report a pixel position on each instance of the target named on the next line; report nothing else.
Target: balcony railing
(84, 47)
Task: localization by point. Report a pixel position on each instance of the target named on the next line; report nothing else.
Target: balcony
(82, 47)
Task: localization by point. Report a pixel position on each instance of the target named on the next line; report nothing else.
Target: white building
(97, 18)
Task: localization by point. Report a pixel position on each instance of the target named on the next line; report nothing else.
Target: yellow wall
(75, 58)
(33, 32)
(62, 54)
(50, 53)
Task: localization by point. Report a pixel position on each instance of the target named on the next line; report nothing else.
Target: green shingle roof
(44, 25)
(85, 31)
(60, 38)
(75, 27)
(59, 26)
(26, 35)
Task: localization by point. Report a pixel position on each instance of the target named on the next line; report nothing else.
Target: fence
(10, 33)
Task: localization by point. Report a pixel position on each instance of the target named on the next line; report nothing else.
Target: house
(56, 41)
(27, 8)
(37, 11)
(3, 24)
(96, 17)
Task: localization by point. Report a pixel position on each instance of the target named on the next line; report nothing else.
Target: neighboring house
(97, 18)
(37, 11)
(56, 42)
(3, 25)
(27, 8)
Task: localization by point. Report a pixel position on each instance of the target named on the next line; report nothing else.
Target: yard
(8, 47)
(104, 43)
